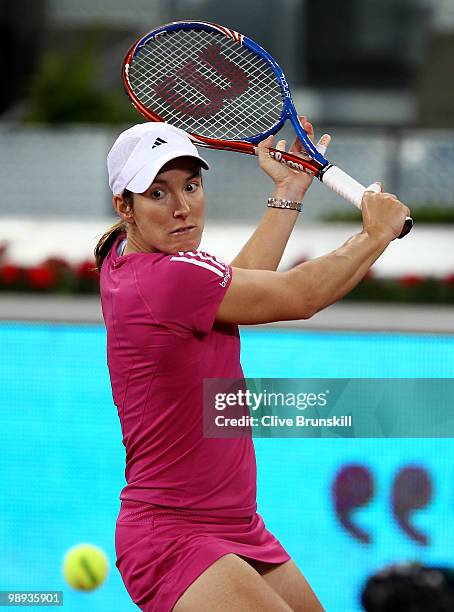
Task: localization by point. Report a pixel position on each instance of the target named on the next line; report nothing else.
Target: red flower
(56, 263)
(10, 274)
(449, 280)
(87, 270)
(41, 277)
(411, 280)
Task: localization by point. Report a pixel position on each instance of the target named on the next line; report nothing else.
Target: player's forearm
(264, 249)
(332, 276)
(266, 246)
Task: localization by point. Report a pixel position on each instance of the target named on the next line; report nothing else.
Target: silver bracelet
(288, 204)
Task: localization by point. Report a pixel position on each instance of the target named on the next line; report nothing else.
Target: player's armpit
(263, 296)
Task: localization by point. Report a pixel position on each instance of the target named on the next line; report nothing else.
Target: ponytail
(108, 238)
(106, 241)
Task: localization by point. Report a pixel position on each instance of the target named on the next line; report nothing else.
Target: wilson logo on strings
(166, 89)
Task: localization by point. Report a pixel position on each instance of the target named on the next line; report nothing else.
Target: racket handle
(352, 191)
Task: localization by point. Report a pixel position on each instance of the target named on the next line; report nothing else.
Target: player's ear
(123, 206)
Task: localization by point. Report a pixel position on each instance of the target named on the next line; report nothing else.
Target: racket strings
(187, 91)
(206, 84)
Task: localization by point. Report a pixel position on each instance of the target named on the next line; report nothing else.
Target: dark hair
(108, 238)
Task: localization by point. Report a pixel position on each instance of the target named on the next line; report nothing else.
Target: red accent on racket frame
(236, 36)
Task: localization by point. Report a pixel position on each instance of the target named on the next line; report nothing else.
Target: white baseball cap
(141, 151)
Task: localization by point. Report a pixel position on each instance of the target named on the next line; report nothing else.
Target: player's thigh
(287, 580)
(230, 583)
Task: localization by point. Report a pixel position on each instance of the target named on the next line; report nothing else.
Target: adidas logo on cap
(157, 142)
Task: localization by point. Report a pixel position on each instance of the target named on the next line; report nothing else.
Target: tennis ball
(85, 567)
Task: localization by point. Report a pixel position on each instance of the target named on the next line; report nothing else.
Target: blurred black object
(21, 35)
(410, 588)
(379, 44)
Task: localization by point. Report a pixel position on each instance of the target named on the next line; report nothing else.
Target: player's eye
(157, 194)
(191, 187)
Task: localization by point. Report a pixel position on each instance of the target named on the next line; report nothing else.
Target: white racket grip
(346, 186)
(343, 184)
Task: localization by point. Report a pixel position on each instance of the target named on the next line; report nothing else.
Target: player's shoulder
(184, 268)
(196, 266)
(192, 261)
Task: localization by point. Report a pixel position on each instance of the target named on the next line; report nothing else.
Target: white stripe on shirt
(196, 262)
(205, 256)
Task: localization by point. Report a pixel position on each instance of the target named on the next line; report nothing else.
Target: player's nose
(182, 207)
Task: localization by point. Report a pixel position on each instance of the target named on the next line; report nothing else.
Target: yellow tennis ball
(85, 567)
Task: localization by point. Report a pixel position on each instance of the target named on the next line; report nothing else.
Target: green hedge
(68, 87)
(408, 288)
(421, 214)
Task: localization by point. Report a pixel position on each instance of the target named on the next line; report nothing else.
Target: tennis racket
(226, 92)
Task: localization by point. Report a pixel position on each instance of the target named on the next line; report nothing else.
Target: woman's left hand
(285, 178)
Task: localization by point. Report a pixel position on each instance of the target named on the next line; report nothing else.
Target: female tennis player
(188, 536)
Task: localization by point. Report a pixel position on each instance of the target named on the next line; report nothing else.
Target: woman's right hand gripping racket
(226, 92)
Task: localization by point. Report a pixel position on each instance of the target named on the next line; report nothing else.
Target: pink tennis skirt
(161, 551)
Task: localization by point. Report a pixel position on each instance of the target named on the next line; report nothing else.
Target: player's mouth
(183, 230)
